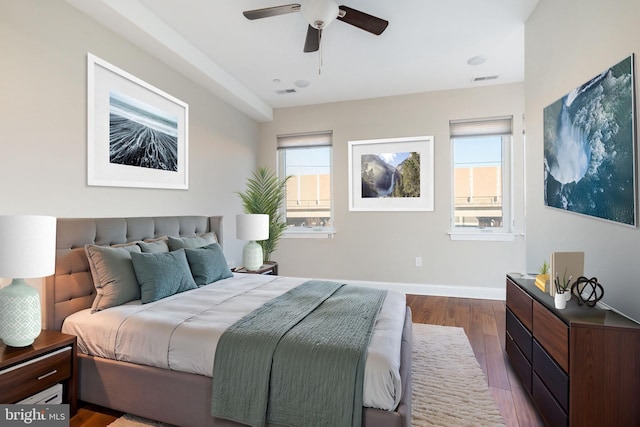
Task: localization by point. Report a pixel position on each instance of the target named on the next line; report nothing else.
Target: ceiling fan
(319, 14)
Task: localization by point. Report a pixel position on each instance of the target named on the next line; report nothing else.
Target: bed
(180, 397)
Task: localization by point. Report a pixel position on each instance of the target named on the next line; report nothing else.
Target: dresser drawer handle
(48, 374)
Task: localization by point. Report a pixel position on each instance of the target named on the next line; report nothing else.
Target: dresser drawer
(519, 363)
(551, 411)
(551, 375)
(24, 379)
(552, 333)
(519, 334)
(520, 304)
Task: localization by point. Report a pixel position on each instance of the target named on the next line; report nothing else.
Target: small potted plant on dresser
(542, 279)
(562, 294)
(265, 194)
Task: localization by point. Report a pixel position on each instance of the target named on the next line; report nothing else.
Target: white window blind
(481, 127)
(305, 140)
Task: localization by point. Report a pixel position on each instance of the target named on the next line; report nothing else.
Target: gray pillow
(208, 264)
(113, 275)
(162, 274)
(155, 245)
(192, 242)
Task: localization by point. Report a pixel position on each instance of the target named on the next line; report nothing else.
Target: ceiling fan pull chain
(319, 54)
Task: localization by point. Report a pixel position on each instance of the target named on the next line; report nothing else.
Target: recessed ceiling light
(302, 83)
(477, 60)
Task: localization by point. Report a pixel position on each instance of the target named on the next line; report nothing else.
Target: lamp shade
(27, 250)
(252, 227)
(27, 246)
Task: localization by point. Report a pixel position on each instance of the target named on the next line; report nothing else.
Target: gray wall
(43, 140)
(568, 43)
(382, 246)
(43, 131)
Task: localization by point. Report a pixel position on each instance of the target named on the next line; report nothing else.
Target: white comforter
(181, 332)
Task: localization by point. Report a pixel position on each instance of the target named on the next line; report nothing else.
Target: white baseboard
(475, 292)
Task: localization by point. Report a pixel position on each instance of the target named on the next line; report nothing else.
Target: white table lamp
(27, 250)
(252, 227)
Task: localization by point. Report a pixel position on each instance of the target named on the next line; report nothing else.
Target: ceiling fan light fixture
(319, 13)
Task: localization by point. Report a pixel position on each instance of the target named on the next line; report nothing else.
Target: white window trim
(300, 141)
(506, 233)
(482, 235)
(309, 233)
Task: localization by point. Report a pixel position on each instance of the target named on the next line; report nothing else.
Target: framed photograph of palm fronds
(137, 134)
(590, 147)
(394, 174)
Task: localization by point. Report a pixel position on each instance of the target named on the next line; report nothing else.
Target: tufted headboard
(71, 288)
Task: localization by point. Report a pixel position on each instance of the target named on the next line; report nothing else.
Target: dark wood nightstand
(270, 267)
(51, 359)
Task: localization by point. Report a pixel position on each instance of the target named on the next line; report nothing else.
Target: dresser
(580, 365)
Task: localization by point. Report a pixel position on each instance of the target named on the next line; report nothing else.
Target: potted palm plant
(265, 194)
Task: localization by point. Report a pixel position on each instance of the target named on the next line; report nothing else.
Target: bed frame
(169, 396)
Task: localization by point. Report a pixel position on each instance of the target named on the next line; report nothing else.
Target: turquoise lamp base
(252, 256)
(20, 316)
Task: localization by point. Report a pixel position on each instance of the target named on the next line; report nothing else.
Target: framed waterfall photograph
(137, 135)
(393, 174)
(589, 148)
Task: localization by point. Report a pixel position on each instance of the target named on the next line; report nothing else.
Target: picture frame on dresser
(137, 134)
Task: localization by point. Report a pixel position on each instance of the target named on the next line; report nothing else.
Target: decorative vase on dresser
(580, 365)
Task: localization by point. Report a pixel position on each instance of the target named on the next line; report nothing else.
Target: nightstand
(51, 359)
(270, 267)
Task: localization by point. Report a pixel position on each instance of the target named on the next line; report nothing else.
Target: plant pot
(560, 300)
(542, 282)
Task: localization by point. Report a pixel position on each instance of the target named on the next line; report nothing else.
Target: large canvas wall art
(589, 148)
(137, 134)
(391, 174)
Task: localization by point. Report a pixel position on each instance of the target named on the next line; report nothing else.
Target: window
(481, 152)
(306, 158)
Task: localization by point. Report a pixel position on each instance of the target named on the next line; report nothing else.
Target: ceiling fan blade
(362, 20)
(271, 11)
(312, 42)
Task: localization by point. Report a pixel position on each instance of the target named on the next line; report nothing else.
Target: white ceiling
(425, 47)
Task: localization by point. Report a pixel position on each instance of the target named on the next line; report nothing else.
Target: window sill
(309, 233)
(487, 236)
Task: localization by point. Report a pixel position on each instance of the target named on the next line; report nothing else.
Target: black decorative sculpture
(587, 291)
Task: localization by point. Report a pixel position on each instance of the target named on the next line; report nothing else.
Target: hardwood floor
(484, 323)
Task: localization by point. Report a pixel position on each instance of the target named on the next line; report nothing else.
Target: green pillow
(192, 242)
(113, 275)
(208, 264)
(162, 274)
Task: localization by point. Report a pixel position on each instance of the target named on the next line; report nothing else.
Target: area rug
(449, 388)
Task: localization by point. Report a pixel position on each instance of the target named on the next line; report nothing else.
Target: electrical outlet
(418, 261)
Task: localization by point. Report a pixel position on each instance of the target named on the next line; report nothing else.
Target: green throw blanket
(299, 359)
